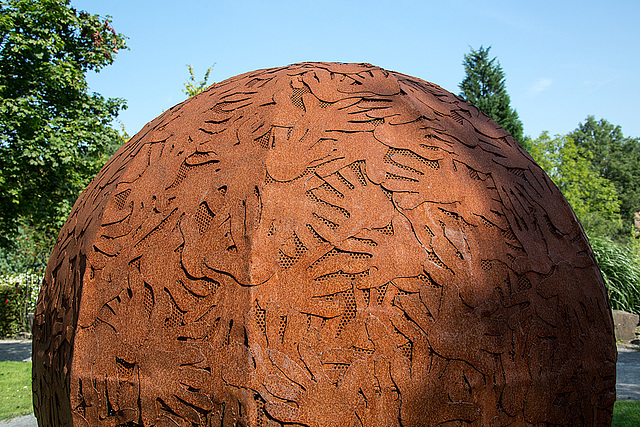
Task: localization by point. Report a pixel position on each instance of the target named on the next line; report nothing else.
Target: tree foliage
(54, 134)
(193, 87)
(484, 86)
(570, 168)
(615, 157)
(595, 200)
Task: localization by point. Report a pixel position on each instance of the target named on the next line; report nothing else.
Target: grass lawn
(15, 396)
(15, 389)
(626, 413)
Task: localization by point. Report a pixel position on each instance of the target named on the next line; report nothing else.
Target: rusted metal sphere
(323, 245)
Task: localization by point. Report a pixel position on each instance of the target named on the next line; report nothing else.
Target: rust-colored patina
(323, 245)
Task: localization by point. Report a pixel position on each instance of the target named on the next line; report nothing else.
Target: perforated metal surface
(322, 245)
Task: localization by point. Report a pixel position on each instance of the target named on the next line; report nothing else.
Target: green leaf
(54, 134)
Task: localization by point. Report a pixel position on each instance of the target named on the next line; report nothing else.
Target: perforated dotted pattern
(223, 107)
(339, 209)
(388, 229)
(517, 172)
(393, 176)
(213, 286)
(450, 214)
(176, 318)
(508, 234)
(309, 316)
(344, 181)
(318, 238)
(147, 299)
(486, 264)
(473, 174)
(328, 188)
(282, 326)
(486, 222)
(371, 102)
(260, 317)
(264, 141)
(407, 349)
(134, 263)
(428, 230)
(332, 225)
(261, 414)
(364, 351)
(336, 371)
(285, 261)
(204, 216)
(350, 311)
(121, 198)
(357, 168)
(296, 97)
(124, 368)
(431, 256)
(367, 242)
(523, 284)
(161, 227)
(182, 174)
(299, 247)
(388, 158)
(457, 117)
(382, 291)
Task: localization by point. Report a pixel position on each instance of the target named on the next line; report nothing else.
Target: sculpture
(323, 245)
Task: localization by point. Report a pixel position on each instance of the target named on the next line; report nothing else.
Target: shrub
(11, 298)
(620, 267)
(18, 295)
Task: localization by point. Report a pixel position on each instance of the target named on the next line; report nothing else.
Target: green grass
(15, 389)
(620, 269)
(15, 396)
(626, 413)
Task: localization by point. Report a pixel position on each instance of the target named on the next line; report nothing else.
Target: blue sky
(564, 60)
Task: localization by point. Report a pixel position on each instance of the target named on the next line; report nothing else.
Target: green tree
(616, 158)
(193, 87)
(54, 134)
(484, 86)
(594, 198)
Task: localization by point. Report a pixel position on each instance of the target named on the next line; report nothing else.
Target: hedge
(18, 294)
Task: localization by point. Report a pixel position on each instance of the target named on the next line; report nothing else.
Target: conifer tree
(484, 87)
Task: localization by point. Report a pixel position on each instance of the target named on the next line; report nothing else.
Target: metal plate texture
(322, 245)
